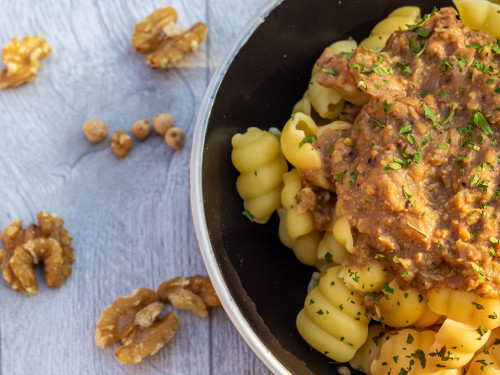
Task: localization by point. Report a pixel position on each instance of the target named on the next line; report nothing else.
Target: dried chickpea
(162, 122)
(141, 128)
(95, 131)
(121, 143)
(175, 138)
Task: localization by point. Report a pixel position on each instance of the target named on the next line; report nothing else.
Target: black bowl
(261, 284)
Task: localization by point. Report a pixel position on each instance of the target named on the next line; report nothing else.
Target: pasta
(404, 353)
(397, 20)
(305, 247)
(333, 320)
(460, 342)
(420, 323)
(257, 156)
(297, 223)
(370, 350)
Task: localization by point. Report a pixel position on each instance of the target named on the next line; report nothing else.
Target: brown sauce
(420, 182)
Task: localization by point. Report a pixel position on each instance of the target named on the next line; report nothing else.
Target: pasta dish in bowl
(385, 179)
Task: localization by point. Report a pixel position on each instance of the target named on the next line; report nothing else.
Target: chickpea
(95, 131)
(121, 143)
(141, 129)
(162, 122)
(175, 138)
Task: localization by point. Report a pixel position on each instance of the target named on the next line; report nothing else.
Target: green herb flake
(478, 305)
(405, 129)
(308, 139)
(417, 230)
(328, 257)
(340, 176)
(478, 119)
(482, 330)
(409, 339)
(442, 94)
(382, 125)
(347, 56)
(330, 72)
(430, 115)
(407, 193)
(443, 146)
(387, 106)
(248, 215)
(479, 270)
(450, 115)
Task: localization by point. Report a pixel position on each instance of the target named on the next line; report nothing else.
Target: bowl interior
(266, 78)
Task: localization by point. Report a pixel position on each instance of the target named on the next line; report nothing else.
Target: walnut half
(194, 293)
(49, 242)
(21, 59)
(167, 42)
(134, 320)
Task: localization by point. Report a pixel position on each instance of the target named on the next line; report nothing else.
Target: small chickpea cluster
(96, 131)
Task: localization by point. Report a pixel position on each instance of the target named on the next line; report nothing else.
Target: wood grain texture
(131, 218)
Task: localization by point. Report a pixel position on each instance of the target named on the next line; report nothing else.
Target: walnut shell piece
(121, 143)
(22, 60)
(195, 293)
(147, 341)
(117, 320)
(49, 242)
(167, 42)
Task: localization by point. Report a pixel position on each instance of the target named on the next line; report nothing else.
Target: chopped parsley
(430, 115)
(308, 139)
(248, 215)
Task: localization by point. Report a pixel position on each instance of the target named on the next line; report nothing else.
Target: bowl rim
(197, 208)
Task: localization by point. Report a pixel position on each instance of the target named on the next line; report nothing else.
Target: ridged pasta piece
(303, 105)
(370, 350)
(304, 247)
(406, 352)
(297, 223)
(298, 134)
(465, 307)
(330, 250)
(367, 278)
(480, 15)
(402, 308)
(487, 360)
(342, 234)
(397, 20)
(455, 344)
(335, 125)
(333, 321)
(256, 155)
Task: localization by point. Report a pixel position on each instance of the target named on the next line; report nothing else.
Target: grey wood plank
(130, 218)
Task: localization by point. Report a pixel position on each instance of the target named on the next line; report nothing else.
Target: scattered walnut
(147, 341)
(48, 242)
(141, 128)
(117, 320)
(162, 122)
(175, 138)
(194, 293)
(167, 42)
(121, 143)
(21, 59)
(95, 131)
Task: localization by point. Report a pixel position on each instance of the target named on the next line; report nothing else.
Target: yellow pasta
(330, 249)
(297, 223)
(465, 307)
(487, 360)
(406, 352)
(342, 233)
(296, 142)
(397, 20)
(304, 247)
(303, 105)
(402, 308)
(370, 350)
(480, 15)
(256, 155)
(333, 321)
(455, 344)
(367, 278)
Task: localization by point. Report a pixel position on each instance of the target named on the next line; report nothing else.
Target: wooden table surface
(130, 219)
